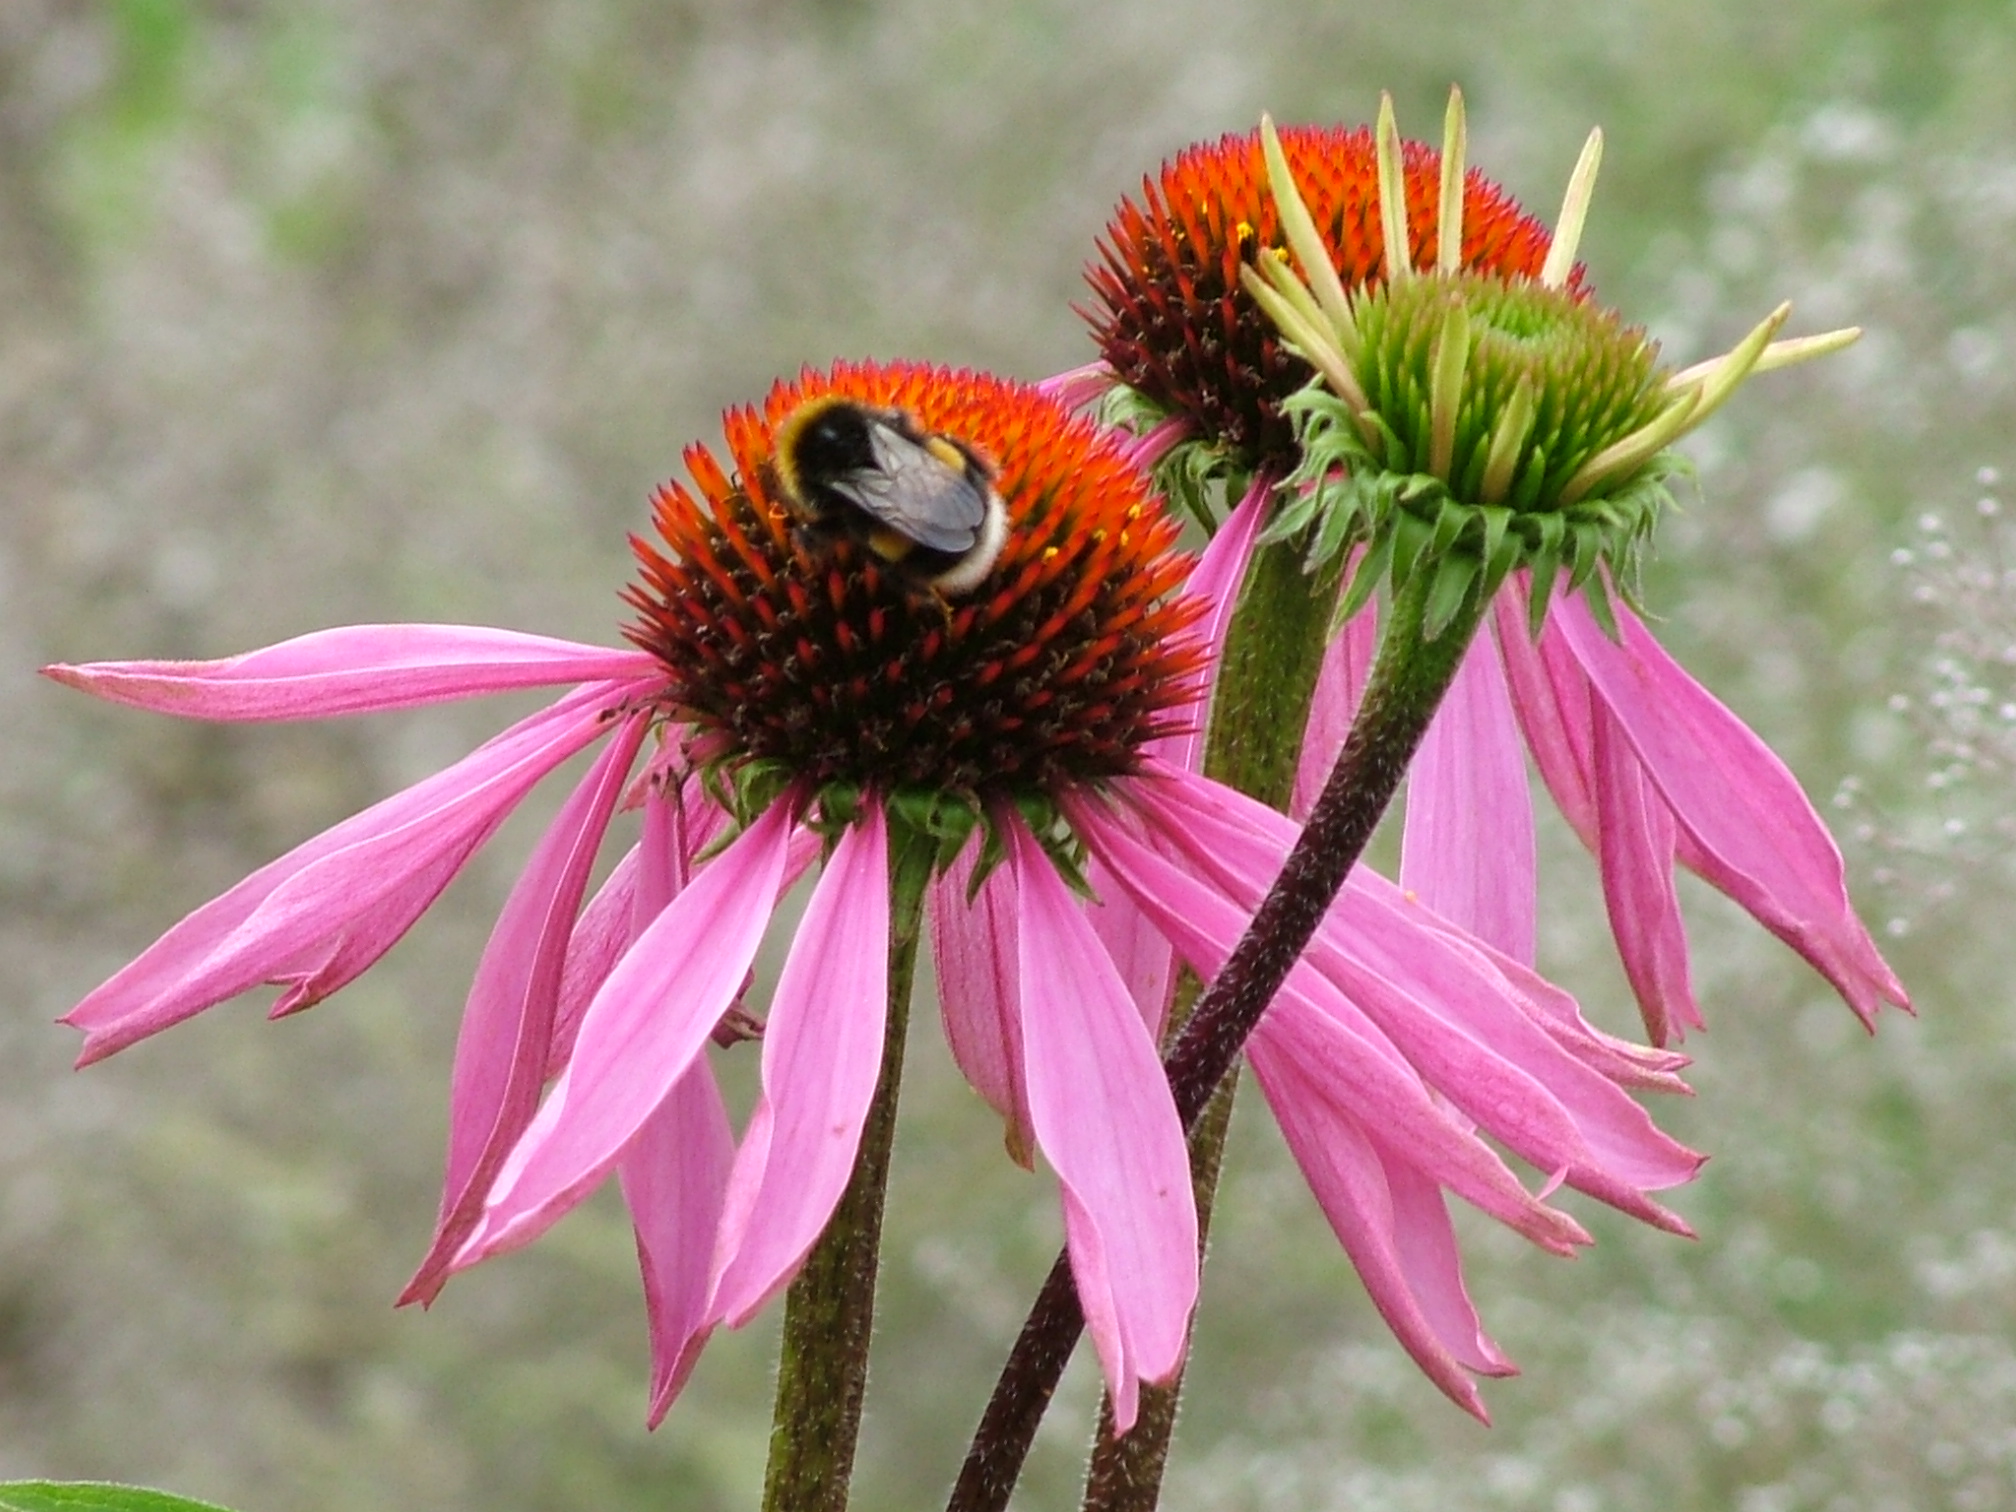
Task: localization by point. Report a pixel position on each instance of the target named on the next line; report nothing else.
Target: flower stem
(822, 1370)
(1408, 678)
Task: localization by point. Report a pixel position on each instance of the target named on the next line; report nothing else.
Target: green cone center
(1587, 379)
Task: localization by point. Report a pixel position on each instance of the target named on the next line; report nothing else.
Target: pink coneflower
(1174, 323)
(1479, 418)
(1485, 427)
(823, 697)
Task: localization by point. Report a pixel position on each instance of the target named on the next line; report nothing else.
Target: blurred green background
(322, 312)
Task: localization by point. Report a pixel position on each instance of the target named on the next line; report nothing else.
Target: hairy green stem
(822, 1370)
(1409, 677)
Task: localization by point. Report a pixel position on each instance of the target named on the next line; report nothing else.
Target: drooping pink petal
(1391, 1222)
(678, 824)
(639, 1037)
(1106, 1122)
(1464, 1028)
(603, 932)
(1340, 685)
(1551, 698)
(822, 1055)
(675, 1172)
(1138, 950)
(318, 916)
(1555, 1011)
(357, 669)
(1312, 1021)
(975, 951)
(1745, 826)
(1468, 848)
(507, 1023)
(1217, 578)
(1636, 838)
(675, 1176)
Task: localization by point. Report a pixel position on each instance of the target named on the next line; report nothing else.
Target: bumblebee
(922, 502)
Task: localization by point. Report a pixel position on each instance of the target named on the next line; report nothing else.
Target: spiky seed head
(817, 661)
(1169, 312)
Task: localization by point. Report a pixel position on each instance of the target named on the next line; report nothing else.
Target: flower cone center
(819, 658)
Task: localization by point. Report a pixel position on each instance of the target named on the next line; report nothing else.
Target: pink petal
(1155, 444)
(822, 1055)
(317, 917)
(1462, 1027)
(1217, 578)
(1625, 1062)
(1139, 951)
(1635, 851)
(1317, 1024)
(1391, 1222)
(677, 826)
(974, 948)
(602, 934)
(1745, 825)
(1074, 388)
(1221, 568)
(1347, 662)
(675, 1176)
(1106, 1122)
(357, 669)
(507, 1024)
(1468, 850)
(639, 1037)
(1551, 698)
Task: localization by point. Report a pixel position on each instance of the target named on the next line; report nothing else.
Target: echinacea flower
(1484, 427)
(806, 698)
(1179, 331)
(827, 700)
(1479, 420)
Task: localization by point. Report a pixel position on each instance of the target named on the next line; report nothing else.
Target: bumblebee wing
(913, 492)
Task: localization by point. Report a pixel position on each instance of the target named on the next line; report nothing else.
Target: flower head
(1466, 422)
(1485, 428)
(1174, 319)
(815, 661)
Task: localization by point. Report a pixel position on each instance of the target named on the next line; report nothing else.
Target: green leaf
(1291, 516)
(1585, 546)
(1450, 520)
(93, 1496)
(1497, 519)
(1538, 597)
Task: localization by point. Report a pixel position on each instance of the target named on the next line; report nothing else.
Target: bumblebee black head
(922, 502)
(824, 439)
